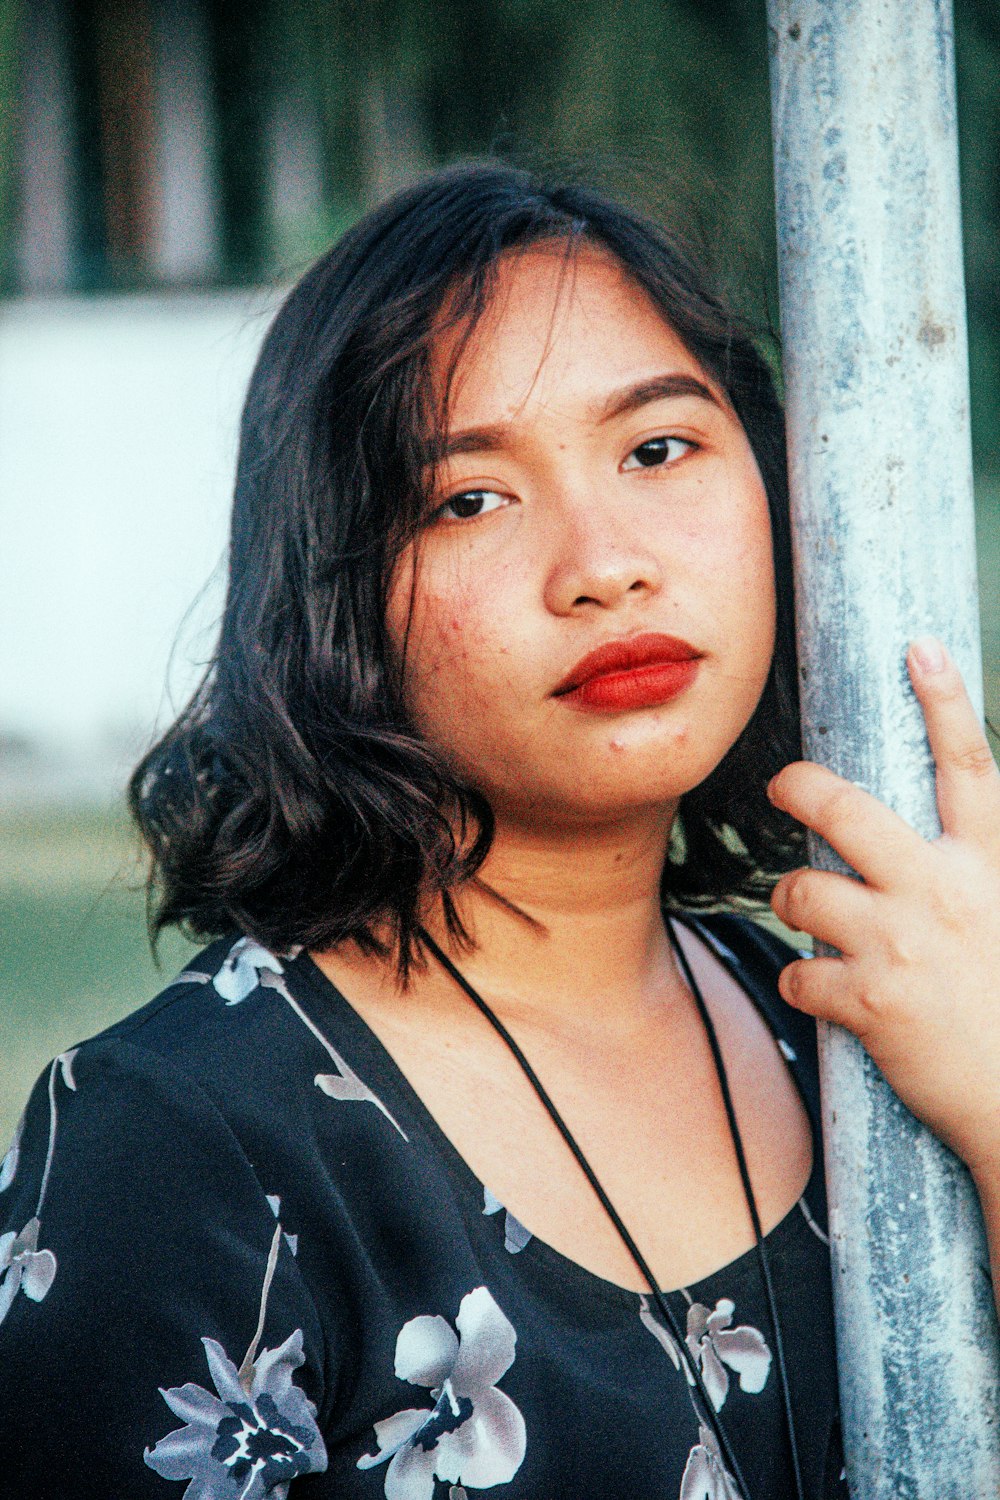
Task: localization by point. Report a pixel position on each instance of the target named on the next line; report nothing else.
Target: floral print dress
(238, 1259)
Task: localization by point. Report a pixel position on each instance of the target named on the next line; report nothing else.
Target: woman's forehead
(564, 326)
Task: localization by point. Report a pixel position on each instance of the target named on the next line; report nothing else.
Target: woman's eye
(469, 504)
(657, 451)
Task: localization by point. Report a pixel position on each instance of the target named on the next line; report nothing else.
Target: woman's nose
(596, 561)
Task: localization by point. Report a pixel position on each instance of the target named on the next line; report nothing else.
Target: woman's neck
(570, 923)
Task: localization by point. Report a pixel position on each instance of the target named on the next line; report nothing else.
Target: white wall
(118, 421)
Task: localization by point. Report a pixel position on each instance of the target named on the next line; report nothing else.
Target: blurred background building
(167, 167)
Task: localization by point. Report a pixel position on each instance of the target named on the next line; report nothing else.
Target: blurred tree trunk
(11, 18)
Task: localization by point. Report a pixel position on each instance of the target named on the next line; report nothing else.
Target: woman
(468, 1157)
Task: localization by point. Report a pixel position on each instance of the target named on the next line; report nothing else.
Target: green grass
(73, 950)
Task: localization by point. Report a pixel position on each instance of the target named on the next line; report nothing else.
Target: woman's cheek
(750, 595)
(451, 687)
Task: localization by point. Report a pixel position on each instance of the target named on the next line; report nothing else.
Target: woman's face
(598, 492)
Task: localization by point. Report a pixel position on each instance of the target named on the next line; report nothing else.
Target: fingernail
(931, 655)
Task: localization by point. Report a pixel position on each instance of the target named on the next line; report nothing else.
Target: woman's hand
(918, 977)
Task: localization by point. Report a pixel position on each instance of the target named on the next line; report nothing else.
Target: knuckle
(795, 894)
(948, 909)
(788, 979)
(974, 760)
(949, 687)
(838, 804)
(870, 1001)
(794, 984)
(962, 901)
(884, 984)
(900, 950)
(784, 784)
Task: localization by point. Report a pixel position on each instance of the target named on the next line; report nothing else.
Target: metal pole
(873, 325)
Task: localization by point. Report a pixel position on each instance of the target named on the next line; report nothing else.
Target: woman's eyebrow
(473, 440)
(655, 388)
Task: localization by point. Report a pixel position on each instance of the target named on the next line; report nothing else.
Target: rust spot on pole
(932, 335)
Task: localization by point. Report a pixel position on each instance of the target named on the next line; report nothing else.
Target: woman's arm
(918, 936)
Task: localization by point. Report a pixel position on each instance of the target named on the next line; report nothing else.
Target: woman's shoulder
(206, 995)
(756, 954)
(178, 1131)
(148, 1225)
(225, 1059)
(226, 1024)
(179, 1074)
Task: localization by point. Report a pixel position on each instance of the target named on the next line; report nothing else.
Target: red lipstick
(639, 672)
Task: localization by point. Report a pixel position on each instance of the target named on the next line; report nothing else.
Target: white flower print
(23, 1267)
(820, 1235)
(274, 1204)
(473, 1434)
(705, 1475)
(8, 1167)
(249, 1440)
(661, 1335)
(714, 1344)
(515, 1236)
(66, 1061)
(249, 965)
(346, 1085)
(258, 1432)
(241, 972)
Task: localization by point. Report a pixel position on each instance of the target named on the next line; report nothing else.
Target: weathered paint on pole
(873, 327)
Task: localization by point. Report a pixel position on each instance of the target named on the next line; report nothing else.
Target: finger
(834, 909)
(872, 839)
(968, 782)
(820, 987)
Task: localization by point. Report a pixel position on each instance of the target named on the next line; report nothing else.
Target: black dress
(240, 1259)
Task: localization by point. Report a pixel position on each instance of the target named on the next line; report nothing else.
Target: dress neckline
(473, 1192)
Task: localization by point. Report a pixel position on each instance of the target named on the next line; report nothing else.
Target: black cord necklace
(660, 1297)
(762, 1251)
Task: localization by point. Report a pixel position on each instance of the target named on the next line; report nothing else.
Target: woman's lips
(636, 673)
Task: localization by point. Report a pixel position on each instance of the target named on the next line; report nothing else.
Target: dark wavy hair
(292, 799)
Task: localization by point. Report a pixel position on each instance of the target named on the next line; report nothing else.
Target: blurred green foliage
(977, 48)
(666, 99)
(10, 19)
(73, 949)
